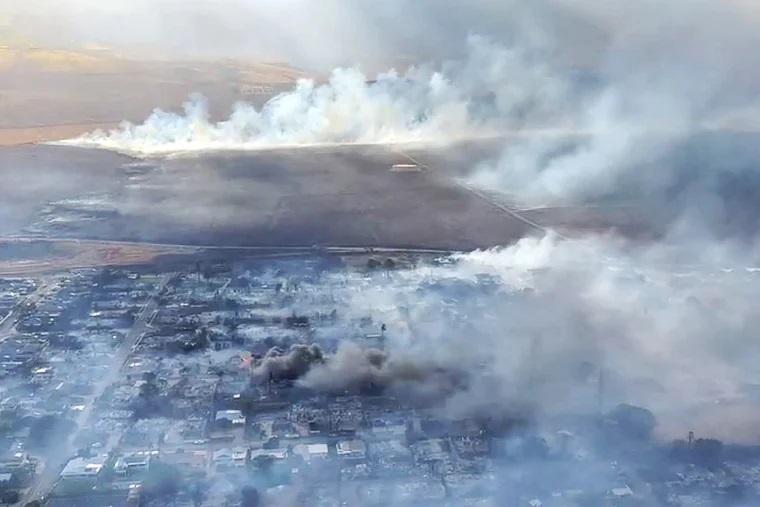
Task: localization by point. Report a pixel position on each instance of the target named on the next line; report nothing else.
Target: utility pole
(600, 393)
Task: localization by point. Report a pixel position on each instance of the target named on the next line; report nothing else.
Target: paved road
(8, 323)
(337, 249)
(67, 449)
(483, 196)
(509, 211)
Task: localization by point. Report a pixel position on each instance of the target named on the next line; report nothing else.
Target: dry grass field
(53, 94)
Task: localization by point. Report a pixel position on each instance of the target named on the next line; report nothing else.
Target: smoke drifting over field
(651, 119)
(664, 82)
(625, 124)
(456, 101)
(658, 111)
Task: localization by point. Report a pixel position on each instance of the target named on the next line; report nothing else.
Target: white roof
(228, 455)
(84, 467)
(274, 453)
(317, 449)
(228, 413)
(351, 447)
(223, 453)
(309, 451)
(235, 416)
(624, 491)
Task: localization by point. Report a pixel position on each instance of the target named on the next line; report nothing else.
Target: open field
(50, 94)
(13, 136)
(35, 175)
(337, 196)
(344, 196)
(30, 257)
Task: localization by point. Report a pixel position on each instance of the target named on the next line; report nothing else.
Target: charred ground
(346, 196)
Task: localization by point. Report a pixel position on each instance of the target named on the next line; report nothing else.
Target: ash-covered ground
(486, 378)
(346, 196)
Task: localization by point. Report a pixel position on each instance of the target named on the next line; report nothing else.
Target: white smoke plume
(656, 80)
(665, 81)
(493, 87)
(531, 328)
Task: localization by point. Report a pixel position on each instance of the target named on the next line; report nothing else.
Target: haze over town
(289, 253)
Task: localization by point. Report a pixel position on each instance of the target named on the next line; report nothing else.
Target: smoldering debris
(290, 364)
(662, 326)
(354, 369)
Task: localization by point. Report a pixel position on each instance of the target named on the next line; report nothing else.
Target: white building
(234, 417)
(84, 468)
(352, 449)
(275, 454)
(134, 462)
(310, 452)
(227, 458)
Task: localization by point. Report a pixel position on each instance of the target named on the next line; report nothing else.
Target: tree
(632, 421)
(163, 480)
(9, 497)
(149, 390)
(149, 402)
(708, 451)
(43, 429)
(263, 462)
(6, 423)
(198, 492)
(250, 497)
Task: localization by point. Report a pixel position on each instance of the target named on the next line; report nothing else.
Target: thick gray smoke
(356, 369)
(653, 118)
(680, 82)
(532, 330)
(289, 364)
(550, 327)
